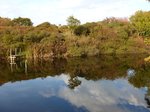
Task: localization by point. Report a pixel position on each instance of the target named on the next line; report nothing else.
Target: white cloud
(57, 11)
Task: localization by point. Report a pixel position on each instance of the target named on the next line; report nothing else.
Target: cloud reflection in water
(104, 95)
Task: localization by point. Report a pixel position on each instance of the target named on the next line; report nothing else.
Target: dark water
(104, 84)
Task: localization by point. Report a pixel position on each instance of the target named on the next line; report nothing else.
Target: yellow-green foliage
(82, 46)
(141, 22)
(110, 36)
(147, 41)
(147, 59)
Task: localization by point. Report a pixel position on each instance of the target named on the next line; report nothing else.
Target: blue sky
(57, 11)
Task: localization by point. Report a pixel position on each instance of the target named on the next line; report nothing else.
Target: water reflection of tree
(147, 98)
(142, 79)
(103, 67)
(147, 95)
(74, 82)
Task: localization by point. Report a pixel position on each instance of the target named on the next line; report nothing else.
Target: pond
(103, 84)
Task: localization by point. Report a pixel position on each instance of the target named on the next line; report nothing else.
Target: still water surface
(104, 84)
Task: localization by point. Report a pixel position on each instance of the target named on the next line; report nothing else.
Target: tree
(5, 22)
(73, 22)
(45, 25)
(141, 22)
(81, 30)
(22, 22)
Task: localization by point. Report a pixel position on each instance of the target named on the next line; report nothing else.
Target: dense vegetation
(110, 36)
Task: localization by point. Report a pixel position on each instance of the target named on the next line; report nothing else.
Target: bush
(81, 30)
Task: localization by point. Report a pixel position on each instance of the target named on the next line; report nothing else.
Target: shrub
(81, 30)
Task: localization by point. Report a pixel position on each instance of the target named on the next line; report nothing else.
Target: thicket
(110, 36)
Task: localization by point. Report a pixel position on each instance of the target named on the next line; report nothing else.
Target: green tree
(73, 22)
(141, 22)
(22, 22)
(81, 30)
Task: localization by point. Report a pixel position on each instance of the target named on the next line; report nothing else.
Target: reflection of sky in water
(131, 72)
(53, 95)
